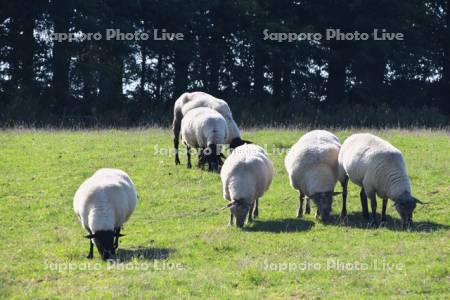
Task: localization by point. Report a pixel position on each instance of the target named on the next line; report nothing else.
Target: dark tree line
(365, 83)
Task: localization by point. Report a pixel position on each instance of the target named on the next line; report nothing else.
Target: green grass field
(178, 243)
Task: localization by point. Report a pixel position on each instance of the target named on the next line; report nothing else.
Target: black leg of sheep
(383, 212)
(373, 204)
(189, 164)
(365, 209)
(300, 208)
(255, 209)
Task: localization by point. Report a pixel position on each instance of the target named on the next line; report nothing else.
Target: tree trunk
(258, 73)
(61, 63)
(88, 83)
(276, 85)
(143, 73)
(159, 70)
(446, 70)
(214, 67)
(287, 89)
(181, 70)
(111, 76)
(336, 78)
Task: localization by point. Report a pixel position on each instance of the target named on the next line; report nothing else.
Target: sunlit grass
(177, 242)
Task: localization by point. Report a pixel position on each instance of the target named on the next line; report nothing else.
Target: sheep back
(202, 127)
(312, 163)
(246, 174)
(105, 201)
(374, 164)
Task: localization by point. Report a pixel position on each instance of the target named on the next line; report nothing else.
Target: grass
(178, 244)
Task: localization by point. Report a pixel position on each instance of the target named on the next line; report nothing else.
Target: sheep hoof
(90, 256)
(177, 162)
(299, 215)
(308, 210)
(189, 166)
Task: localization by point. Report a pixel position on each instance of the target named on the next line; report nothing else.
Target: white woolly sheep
(312, 166)
(246, 175)
(378, 168)
(189, 101)
(206, 130)
(103, 203)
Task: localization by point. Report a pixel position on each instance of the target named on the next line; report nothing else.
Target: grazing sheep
(246, 175)
(189, 101)
(103, 203)
(312, 166)
(206, 130)
(378, 168)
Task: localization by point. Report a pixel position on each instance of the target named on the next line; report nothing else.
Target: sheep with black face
(312, 166)
(246, 175)
(379, 169)
(206, 130)
(189, 101)
(103, 203)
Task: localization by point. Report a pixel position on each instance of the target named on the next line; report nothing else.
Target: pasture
(178, 243)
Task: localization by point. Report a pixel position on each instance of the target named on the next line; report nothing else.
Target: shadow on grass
(278, 226)
(356, 220)
(149, 253)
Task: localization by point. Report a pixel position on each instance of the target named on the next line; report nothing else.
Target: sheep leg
(383, 212)
(250, 213)
(365, 209)
(255, 209)
(373, 204)
(300, 208)
(200, 152)
(176, 133)
(189, 164)
(91, 249)
(344, 184)
(231, 220)
(116, 239)
(308, 206)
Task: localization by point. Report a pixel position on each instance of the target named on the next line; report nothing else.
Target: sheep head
(104, 241)
(236, 142)
(405, 206)
(212, 156)
(239, 209)
(324, 201)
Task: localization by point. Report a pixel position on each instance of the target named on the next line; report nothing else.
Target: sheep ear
(418, 201)
(229, 205)
(90, 236)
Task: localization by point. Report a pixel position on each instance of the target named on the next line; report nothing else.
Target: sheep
(189, 101)
(312, 166)
(378, 168)
(103, 203)
(246, 175)
(206, 130)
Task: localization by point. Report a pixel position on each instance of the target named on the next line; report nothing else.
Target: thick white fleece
(189, 101)
(312, 163)
(105, 201)
(375, 165)
(202, 127)
(246, 174)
